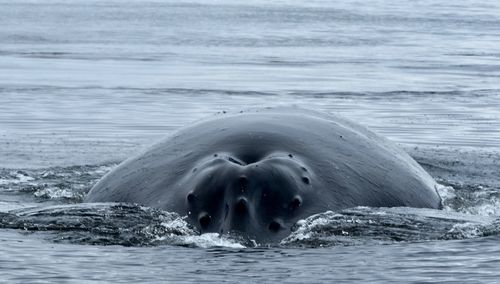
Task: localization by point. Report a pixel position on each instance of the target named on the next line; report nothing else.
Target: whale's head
(261, 198)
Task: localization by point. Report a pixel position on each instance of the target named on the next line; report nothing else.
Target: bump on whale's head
(259, 197)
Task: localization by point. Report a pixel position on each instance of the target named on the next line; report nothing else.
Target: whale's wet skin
(85, 85)
(259, 172)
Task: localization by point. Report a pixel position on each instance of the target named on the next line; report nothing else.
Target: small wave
(25, 38)
(98, 224)
(134, 225)
(69, 184)
(468, 180)
(208, 240)
(363, 225)
(126, 91)
(475, 54)
(480, 200)
(112, 224)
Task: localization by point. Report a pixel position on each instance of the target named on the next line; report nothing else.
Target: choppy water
(85, 84)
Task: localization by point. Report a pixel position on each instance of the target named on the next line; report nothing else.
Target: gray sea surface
(86, 84)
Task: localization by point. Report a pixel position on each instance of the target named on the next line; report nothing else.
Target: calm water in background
(85, 84)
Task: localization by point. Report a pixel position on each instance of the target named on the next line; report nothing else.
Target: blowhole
(296, 202)
(306, 180)
(204, 220)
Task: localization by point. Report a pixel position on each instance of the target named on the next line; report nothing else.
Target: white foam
(445, 192)
(55, 193)
(186, 236)
(465, 230)
(304, 227)
(17, 178)
(209, 240)
(23, 178)
(491, 209)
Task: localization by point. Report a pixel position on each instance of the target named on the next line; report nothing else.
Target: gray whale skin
(259, 172)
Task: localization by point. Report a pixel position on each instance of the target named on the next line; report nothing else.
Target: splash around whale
(259, 172)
